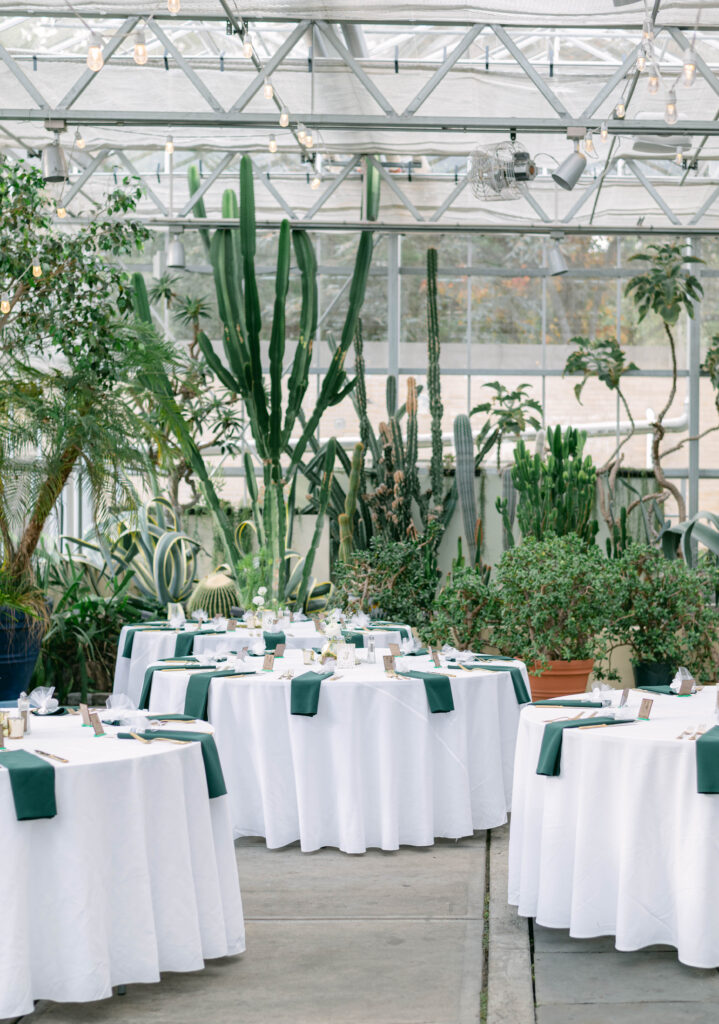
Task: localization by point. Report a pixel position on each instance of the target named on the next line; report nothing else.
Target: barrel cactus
(215, 594)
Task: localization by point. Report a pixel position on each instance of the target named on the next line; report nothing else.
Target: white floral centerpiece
(331, 628)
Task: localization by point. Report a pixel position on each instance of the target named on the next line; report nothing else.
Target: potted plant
(554, 606)
(69, 359)
(665, 616)
(462, 610)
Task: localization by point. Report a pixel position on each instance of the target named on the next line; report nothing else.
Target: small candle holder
(16, 728)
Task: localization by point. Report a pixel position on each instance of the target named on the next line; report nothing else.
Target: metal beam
(207, 183)
(702, 66)
(22, 78)
(133, 170)
(459, 187)
(389, 180)
(271, 65)
(529, 70)
(349, 167)
(639, 173)
(443, 69)
(379, 98)
(534, 204)
(710, 200)
(584, 196)
(265, 179)
(86, 174)
(188, 71)
(70, 98)
(619, 75)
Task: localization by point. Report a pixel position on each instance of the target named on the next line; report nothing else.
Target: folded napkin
(172, 718)
(437, 688)
(550, 754)
(392, 627)
(663, 689)
(48, 714)
(130, 636)
(32, 781)
(560, 702)
(198, 689)
(273, 639)
(213, 770)
(708, 761)
(353, 636)
(305, 692)
(520, 687)
(168, 663)
(185, 642)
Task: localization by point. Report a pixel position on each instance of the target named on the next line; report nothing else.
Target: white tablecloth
(620, 843)
(373, 768)
(151, 645)
(135, 875)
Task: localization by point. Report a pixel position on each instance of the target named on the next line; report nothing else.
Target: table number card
(686, 685)
(645, 708)
(280, 650)
(96, 724)
(394, 650)
(435, 656)
(268, 662)
(85, 715)
(231, 625)
(317, 624)
(624, 698)
(346, 656)
(308, 655)
(388, 660)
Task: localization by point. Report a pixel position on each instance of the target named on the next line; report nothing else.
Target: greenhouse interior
(359, 412)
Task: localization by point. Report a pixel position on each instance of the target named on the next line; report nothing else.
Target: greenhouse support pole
(393, 304)
(694, 326)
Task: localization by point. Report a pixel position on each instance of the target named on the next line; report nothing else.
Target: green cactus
(391, 396)
(307, 584)
(216, 594)
(464, 449)
(346, 519)
(436, 473)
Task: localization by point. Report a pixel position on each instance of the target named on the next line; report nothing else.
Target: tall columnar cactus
(347, 518)
(436, 474)
(464, 469)
(391, 395)
(273, 417)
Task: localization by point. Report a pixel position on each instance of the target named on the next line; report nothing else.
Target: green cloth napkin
(353, 636)
(560, 703)
(273, 639)
(185, 642)
(392, 627)
(144, 702)
(172, 718)
(32, 781)
(305, 692)
(550, 754)
(708, 761)
(437, 688)
(213, 769)
(130, 636)
(663, 689)
(198, 689)
(520, 687)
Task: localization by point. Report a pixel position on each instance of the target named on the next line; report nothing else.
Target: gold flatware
(594, 725)
(55, 757)
(136, 736)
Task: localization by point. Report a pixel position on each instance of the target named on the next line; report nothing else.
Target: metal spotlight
(175, 259)
(54, 165)
(556, 263)
(570, 170)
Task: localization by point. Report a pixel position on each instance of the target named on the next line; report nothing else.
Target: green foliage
(603, 359)
(557, 493)
(555, 601)
(509, 414)
(710, 366)
(436, 471)
(347, 518)
(666, 287)
(665, 611)
(465, 479)
(68, 359)
(393, 579)
(464, 608)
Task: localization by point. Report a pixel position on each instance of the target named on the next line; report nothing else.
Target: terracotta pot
(560, 679)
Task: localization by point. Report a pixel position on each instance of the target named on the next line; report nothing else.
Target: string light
(247, 45)
(36, 268)
(61, 212)
(79, 141)
(316, 181)
(268, 90)
(309, 139)
(648, 31)
(272, 146)
(604, 131)
(173, 6)
(653, 84)
(139, 53)
(589, 145)
(679, 157)
(169, 145)
(94, 52)
(5, 303)
(284, 117)
(641, 61)
(301, 133)
(670, 111)
(689, 71)
(620, 110)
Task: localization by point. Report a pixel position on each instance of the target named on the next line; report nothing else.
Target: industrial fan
(496, 172)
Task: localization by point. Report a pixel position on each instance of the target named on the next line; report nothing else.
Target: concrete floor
(397, 938)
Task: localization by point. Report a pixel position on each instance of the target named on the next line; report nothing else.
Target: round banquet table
(373, 767)
(135, 875)
(151, 645)
(620, 842)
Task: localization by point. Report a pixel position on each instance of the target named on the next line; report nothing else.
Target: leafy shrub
(464, 607)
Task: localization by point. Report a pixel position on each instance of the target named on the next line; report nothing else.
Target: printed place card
(280, 650)
(308, 655)
(268, 662)
(394, 650)
(85, 715)
(435, 656)
(231, 625)
(686, 685)
(624, 698)
(388, 660)
(346, 656)
(96, 724)
(645, 708)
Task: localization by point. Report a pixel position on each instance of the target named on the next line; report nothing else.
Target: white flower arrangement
(333, 630)
(258, 601)
(262, 591)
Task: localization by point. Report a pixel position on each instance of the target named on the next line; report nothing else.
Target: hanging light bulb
(689, 71)
(61, 212)
(169, 145)
(94, 52)
(670, 111)
(641, 61)
(5, 303)
(653, 83)
(604, 131)
(284, 117)
(79, 141)
(648, 31)
(272, 146)
(247, 45)
(589, 146)
(139, 53)
(301, 133)
(268, 90)
(36, 268)
(316, 181)
(679, 156)
(620, 110)
(173, 6)
(309, 139)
